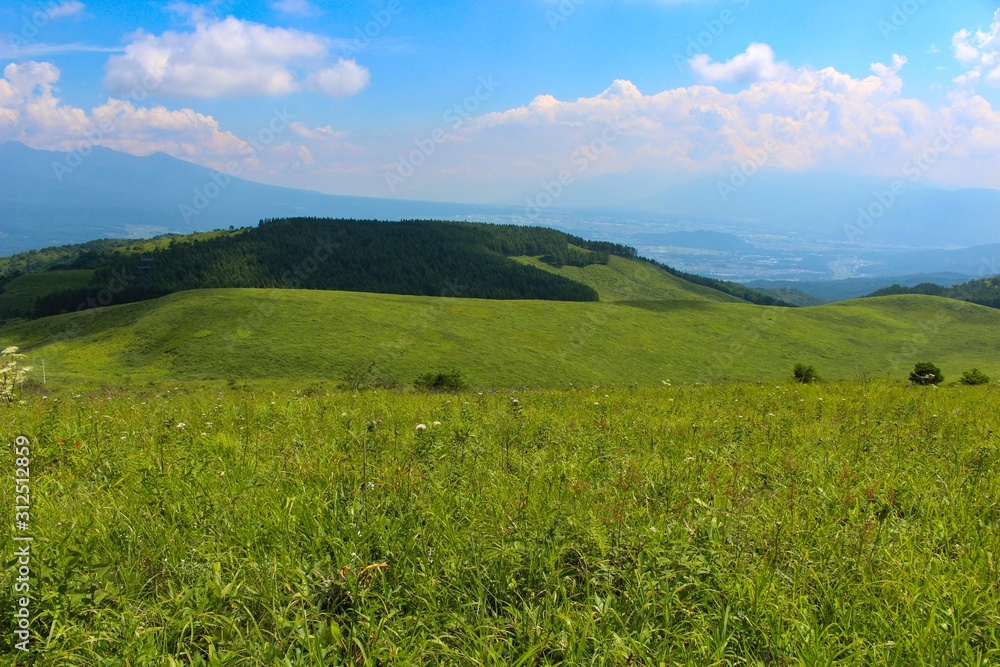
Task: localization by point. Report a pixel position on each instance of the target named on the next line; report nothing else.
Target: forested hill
(424, 258)
(984, 291)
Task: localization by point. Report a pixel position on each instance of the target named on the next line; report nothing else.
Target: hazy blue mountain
(831, 205)
(114, 194)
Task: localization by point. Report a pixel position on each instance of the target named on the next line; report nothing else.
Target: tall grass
(729, 525)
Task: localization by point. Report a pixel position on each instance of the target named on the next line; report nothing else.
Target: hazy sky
(497, 101)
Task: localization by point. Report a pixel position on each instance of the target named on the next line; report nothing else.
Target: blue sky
(703, 87)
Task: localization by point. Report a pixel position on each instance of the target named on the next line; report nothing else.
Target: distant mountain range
(114, 194)
(778, 225)
(839, 207)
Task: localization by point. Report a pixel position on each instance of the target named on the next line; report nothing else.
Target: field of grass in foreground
(837, 524)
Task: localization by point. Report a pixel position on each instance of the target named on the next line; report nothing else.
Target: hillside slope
(984, 291)
(303, 334)
(623, 279)
(415, 257)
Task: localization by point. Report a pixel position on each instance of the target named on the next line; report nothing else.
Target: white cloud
(296, 8)
(231, 58)
(344, 78)
(980, 53)
(65, 9)
(755, 64)
(808, 119)
(30, 112)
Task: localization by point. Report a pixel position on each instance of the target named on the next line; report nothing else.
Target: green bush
(974, 377)
(805, 374)
(925, 373)
(450, 381)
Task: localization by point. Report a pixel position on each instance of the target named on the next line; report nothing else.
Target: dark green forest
(984, 291)
(426, 258)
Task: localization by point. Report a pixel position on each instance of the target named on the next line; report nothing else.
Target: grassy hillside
(271, 526)
(793, 296)
(316, 334)
(18, 296)
(418, 257)
(624, 279)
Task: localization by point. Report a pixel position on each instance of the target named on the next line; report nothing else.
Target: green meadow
(631, 481)
(277, 523)
(306, 334)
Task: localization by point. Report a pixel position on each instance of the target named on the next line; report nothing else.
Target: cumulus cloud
(755, 64)
(344, 78)
(980, 53)
(806, 119)
(30, 112)
(232, 58)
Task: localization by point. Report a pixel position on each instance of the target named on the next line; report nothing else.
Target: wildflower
(421, 428)
(514, 401)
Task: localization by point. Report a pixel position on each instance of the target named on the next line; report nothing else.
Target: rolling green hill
(624, 279)
(418, 257)
(239, 333)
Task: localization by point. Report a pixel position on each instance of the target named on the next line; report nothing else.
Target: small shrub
(974, 377)
(925, 373)
(358, 376)
(805, 374)
(451, 381)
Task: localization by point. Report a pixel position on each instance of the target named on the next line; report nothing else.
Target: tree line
(984, 291)
(415, 257)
